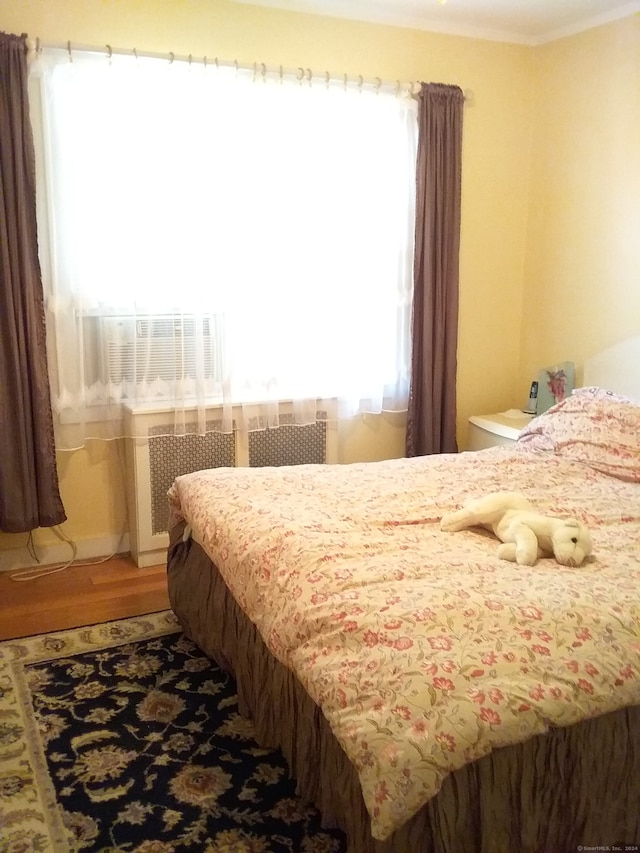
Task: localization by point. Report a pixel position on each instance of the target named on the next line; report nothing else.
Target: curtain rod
(259, 69)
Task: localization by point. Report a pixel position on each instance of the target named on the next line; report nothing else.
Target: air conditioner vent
(168, 347)
(171, 326)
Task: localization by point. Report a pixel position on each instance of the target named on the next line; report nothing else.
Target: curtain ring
(109, 52)
(263, 72)
(327, 79)
(135, 53)
(301, 77)
(69, 51)
(360, 82)
(309, 75)
(281, 71)
(378, 84)
(172, 56)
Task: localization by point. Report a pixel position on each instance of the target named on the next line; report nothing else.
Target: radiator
(155, 458)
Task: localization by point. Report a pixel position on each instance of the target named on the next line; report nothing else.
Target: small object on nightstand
(555, 383)
(493, 430)
(532, 405)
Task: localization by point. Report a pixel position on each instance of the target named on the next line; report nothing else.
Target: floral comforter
(423, 649)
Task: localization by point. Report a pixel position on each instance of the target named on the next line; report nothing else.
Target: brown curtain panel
(431, 420)
(29, 494)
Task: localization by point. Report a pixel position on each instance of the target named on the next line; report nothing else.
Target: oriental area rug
(125, 737)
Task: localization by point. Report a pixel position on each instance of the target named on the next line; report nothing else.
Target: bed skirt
(572, 787)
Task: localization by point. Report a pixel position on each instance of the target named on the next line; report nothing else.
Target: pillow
(593, 426)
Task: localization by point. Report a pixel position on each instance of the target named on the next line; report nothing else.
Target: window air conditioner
(168, 346)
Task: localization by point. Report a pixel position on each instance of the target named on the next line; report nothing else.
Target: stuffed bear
(525, 533)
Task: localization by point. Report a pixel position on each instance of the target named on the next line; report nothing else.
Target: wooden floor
(80, 595)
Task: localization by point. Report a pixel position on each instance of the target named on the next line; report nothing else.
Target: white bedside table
(500, 428)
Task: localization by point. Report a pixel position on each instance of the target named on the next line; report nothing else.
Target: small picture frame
(554, 384)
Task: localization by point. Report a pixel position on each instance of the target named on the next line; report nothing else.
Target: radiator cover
(172, 455)
(156, 458)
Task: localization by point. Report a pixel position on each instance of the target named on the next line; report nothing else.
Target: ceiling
(519, 21)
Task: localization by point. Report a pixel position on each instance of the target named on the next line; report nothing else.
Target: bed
(427, 695)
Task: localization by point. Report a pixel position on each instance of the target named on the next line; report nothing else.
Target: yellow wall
(582, 269)
(516, 122)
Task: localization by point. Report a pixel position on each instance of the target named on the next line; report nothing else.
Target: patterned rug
(124, 737)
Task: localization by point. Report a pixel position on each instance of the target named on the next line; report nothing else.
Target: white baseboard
(49, 555)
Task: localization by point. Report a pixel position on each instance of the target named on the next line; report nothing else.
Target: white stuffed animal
(525, 533)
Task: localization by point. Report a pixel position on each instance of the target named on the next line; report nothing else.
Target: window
(214, 236)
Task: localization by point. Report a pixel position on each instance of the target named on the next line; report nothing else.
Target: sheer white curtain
(215, 239)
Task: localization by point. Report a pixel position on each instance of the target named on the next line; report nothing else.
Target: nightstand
(493, 430)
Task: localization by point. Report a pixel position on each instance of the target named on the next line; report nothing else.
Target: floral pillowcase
(594, 426)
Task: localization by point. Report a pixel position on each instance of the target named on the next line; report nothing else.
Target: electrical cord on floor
(35, 572)
(31, 548)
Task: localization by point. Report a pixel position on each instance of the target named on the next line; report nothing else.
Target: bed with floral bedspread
(425, 652)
